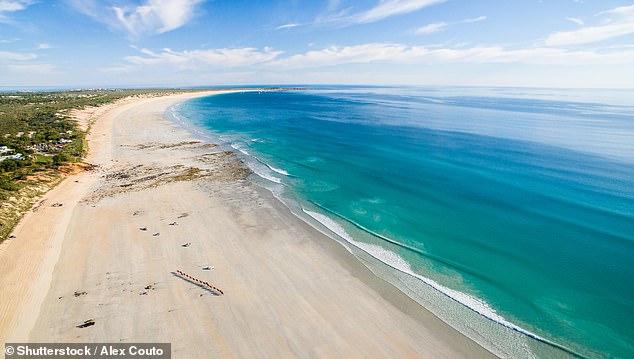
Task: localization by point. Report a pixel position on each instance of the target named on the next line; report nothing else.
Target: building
(17, 156)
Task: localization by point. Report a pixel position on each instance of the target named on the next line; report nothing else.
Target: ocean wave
(397, 262)
(173, 115)
(266, 176)
(258, 171)
(236, 146)
(274, 169)
(278, 170)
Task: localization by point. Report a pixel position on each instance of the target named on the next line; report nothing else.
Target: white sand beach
(161, 201)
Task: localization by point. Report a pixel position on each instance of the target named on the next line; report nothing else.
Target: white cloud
(287, 26)
(194, 59)
(331, 56)
(622, 24)
(151, 17)
(44, 46)
(383, 10)
(13, 5)
(440, 26)
(16, 56)
(387, 8)
(431, 28)
(156, 16)
(9, 6)
(88, 7)
(575, 20)
(621, 10)
(379, 53)
(590, 34)
(31, 69)
(405, 54)
(473, 20)
(22, 63)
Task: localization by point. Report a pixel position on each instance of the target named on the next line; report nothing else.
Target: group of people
(181, 273)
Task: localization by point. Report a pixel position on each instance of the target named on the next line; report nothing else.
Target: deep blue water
(515, 203)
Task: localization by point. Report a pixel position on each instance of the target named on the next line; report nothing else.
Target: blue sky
(89, 43)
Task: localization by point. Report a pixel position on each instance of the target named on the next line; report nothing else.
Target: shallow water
(515, 204)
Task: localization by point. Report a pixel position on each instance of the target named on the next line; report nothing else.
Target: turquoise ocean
(509, 213)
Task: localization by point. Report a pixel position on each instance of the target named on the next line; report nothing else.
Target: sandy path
(289, 291)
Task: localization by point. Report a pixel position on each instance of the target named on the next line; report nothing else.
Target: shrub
(7, 184)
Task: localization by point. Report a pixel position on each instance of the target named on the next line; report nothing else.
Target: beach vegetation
(41, 142)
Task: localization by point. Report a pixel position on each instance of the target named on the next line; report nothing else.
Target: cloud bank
(384, 53)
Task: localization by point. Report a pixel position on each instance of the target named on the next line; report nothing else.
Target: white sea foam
(278, 170)
(266, 176)
(259, 171)
(274, 169)
(397, 262)
(172, 114)
(236, 146)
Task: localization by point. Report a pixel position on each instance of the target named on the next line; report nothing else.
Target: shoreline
(302, 298)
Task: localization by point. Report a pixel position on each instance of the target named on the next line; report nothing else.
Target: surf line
(274, 169)
(500, 321)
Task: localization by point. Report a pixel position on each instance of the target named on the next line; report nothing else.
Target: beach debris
(56, 204)
(186, 244)
(156, 234)
(87, 323)
(200, 282)
(208, 268)
(12, 236)
(136, 213)
(39, 205)
(148, 288)
(79, 294)
(143, 228)
(183, 215)
(174, 224)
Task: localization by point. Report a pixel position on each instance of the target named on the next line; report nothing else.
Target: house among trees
(5, 149)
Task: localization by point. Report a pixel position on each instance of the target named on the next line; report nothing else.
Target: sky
(108, 43)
